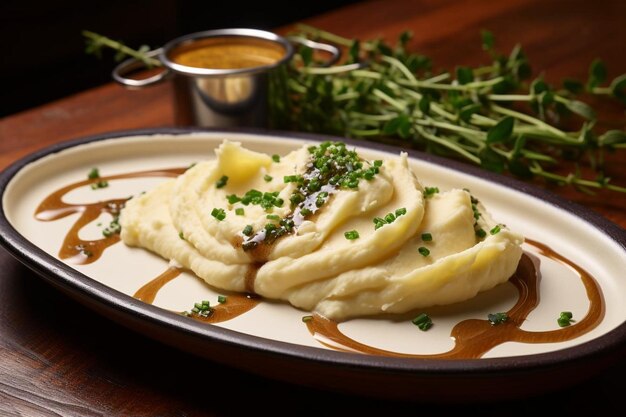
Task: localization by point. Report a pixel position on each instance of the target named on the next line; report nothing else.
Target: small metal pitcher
(223, 97)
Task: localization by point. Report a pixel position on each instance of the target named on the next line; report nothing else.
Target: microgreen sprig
(493, 115)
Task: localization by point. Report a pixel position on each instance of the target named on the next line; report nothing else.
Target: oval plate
(271, 340)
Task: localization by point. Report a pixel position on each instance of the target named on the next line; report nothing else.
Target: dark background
(43, 56)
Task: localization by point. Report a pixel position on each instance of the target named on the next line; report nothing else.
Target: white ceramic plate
(273, 335)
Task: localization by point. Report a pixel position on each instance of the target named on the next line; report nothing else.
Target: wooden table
(58, 358)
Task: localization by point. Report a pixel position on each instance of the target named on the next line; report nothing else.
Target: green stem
(573, 180)
(528, 119)
(448, 144)
(331, 37)
(103, 40)
(510, 97)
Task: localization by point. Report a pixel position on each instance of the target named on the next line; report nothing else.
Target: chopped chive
(378, 163)
(181, 235)
(307, 318)
(351, 235)
(427, 237)
(400, 212)
(430, 191)
(232, 199)
(481, 233)
(221, 182)
(495, 230)
(276, 158)
(497, 318)
(273, 217)
(292, 178)
(267, 178)
(423, 251)
(390, 218)
(218, 213)
(221, 299)
(93, 174)
(379, 222)
(239, 211)
(99, 184)
(305, 211)
(423, 322)
(565, 319)
(247, 230)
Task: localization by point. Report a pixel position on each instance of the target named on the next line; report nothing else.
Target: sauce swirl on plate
(473, 337)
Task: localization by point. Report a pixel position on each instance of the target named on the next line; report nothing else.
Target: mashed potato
(325, 230)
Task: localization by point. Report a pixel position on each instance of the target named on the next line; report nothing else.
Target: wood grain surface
(59, 358)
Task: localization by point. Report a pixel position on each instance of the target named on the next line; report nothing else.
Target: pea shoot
(470, 113)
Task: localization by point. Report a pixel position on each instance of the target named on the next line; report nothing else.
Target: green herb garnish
(267, 178)
(496, 229)
(202, 309)
(221, 182)
(423, 322)
(565, 319)
(218, 213)
(221, 299)
(99, 184)
(400, 212)
(491, 115)
(307, 318)
(497, 318)
(423, 251)
(93, 174)
(276, 158)
(351, 235)
(430, 191)
(114, 227)
(427, 237)
(247, 231)
(239, 211)
(181, 235)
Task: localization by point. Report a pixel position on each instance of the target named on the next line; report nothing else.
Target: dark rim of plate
(63, 276)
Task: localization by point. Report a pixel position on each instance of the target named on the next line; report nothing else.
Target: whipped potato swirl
(325, 230)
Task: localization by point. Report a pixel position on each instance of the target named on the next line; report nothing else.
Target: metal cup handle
(333, 50)
(132, 64)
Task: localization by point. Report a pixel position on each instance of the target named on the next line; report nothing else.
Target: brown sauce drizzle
(148, 292)
(75, 249)
(235, 304)
(473, 338)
